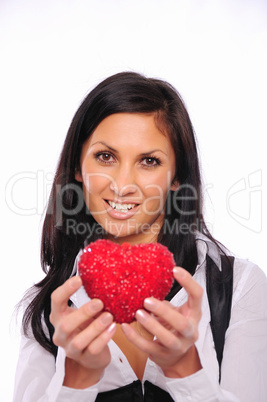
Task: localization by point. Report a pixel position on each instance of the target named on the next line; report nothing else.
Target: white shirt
(244, 367)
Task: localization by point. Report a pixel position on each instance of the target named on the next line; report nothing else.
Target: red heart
(123, 276)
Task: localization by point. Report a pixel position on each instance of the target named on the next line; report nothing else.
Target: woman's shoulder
(247, 267)
(248, 280)
(245, 272)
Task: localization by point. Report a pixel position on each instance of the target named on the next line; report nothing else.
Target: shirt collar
(207, 246)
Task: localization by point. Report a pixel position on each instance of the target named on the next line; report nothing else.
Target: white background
(54, 52)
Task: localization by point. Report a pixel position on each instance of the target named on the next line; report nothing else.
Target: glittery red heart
(122, 276)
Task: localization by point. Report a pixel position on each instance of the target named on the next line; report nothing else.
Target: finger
(165, 313)
(147, 346)
(133, 336)
(168, 303)
(101, 341)
(60, 296)
(193, 289)
(73, 323)
(170, 339)
(84, 339)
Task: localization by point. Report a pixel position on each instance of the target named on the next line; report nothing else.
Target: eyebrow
(106, 145)
(115, 151)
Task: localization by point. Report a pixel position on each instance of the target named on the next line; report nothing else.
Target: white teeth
(121, 207)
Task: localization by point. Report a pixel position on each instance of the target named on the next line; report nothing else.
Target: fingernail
(75, 281)
(142, 315)
(179, 272)
(126, 328)
(96, 305)
(106, 318)
(189, 331)
(111, 328)
(151, 303)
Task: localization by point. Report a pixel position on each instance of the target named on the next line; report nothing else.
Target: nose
(123, 183)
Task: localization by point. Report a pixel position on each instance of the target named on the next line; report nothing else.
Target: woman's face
(127, 167)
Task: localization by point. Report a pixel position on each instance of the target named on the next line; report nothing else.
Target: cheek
(93, 190)
(158, 185)
(156, 192)
(95, 183)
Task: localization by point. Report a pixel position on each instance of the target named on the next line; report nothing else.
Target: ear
(78, 175)
(175, 185)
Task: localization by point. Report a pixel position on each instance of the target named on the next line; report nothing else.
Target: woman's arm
(39, 377)
(82, 336)
(83, 333)
(175, 330)
(244, 365)
(244, 373)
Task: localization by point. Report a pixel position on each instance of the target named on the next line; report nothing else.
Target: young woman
(129, 172)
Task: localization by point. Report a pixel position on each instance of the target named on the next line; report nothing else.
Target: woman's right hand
(83, 333)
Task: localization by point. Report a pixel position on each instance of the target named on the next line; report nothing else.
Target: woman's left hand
(175, 329)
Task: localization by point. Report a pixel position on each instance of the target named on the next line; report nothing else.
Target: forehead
(131, 128)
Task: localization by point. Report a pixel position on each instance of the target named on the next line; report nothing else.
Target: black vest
(219, 286)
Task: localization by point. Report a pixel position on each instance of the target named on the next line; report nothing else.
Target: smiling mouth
(121, 207)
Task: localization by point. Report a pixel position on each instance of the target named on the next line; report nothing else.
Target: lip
(118, 214)
(124, 201)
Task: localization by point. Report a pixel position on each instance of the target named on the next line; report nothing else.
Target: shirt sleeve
(39, 377)
(244, 365)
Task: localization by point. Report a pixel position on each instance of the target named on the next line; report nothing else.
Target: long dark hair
(126, 92)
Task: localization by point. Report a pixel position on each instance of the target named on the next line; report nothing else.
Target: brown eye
(105, 157)
(151, 162)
